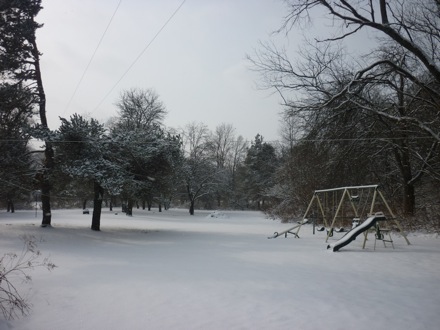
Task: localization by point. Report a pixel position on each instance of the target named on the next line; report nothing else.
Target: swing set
(346, 207)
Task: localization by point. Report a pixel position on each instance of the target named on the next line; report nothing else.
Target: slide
(352, 234)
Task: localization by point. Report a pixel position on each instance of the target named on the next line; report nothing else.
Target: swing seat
(354, 198)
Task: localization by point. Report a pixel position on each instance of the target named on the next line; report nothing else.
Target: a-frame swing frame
(346, 196)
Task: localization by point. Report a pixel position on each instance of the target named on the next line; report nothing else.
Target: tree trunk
(409, 199)
(48, 152)
(383, 11)
(129, 207)
(143, 204)
(46, 186)
(191, 198)
(97, 205)
(191, 208)
(84, 204)
(10, 206)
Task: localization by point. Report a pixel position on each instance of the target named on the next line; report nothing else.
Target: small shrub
(15, 268)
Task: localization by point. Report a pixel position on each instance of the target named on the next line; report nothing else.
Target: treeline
(135, 160)
(347, 121)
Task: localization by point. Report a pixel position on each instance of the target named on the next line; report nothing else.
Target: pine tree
(258, 170)
(20, 65)
(15, 161)
(85, 152)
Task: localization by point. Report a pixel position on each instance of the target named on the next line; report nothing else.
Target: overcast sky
(196, 64)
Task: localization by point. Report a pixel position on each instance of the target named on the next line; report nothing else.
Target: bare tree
(414, 26)
(221, 146)
(195, 137)
(392, 95)
(221, 143)
(140, 109)
(289, 130)
(200, 173)
(238, 155)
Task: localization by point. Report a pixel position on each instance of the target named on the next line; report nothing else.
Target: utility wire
(139, 56)
(92, 57)
(273, 141)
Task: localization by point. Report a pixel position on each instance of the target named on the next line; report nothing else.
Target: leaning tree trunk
(48, 152)
(97, 205)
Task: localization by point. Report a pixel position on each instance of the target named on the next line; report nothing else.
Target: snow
(170, 270)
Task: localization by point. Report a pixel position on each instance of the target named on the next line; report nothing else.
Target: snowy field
(172, 271)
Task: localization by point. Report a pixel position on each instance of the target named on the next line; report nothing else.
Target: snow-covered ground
(218, 271)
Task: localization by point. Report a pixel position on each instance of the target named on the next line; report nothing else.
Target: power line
(92, 57)
(273, 141)
(139, 56)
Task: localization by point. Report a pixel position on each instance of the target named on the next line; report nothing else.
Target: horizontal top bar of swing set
(375, 186)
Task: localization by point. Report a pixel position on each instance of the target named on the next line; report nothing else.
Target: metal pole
(336, 214)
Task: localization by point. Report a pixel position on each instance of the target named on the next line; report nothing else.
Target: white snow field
(170, 270)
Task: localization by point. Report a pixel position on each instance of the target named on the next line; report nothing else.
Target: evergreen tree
(15, 162)
(20, 64)
(258, 171)
(85, 152)
(151, 160)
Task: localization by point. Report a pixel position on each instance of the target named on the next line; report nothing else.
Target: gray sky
(196, 64)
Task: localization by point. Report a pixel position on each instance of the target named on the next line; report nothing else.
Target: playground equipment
(290, 230)
(356, 231)
(347, 206)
